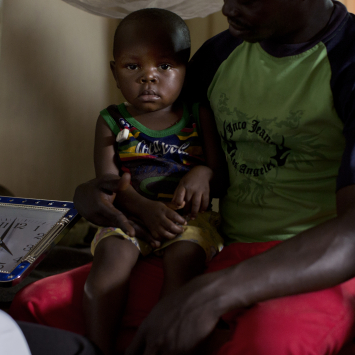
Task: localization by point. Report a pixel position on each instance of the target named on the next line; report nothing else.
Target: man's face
(258, 20)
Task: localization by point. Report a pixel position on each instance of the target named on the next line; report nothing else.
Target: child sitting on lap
(155, 137)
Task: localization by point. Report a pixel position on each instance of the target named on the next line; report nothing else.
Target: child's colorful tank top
(156, 160)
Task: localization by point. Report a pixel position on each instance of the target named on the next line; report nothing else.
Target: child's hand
(162, 221)
(193, 192)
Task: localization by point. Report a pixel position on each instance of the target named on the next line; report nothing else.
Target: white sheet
(187, 9)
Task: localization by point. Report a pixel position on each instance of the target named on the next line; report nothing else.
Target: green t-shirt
(283, 150)
(286, 118)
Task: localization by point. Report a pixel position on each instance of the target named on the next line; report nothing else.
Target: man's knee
(303, 324)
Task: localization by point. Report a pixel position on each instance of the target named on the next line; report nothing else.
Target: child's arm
(159, 219)
(194, 188)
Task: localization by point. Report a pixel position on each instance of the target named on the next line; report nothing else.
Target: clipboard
(29, 229)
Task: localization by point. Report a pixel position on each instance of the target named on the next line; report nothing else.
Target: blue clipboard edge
(25, 267)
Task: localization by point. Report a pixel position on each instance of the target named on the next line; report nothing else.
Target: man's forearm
(318, 258)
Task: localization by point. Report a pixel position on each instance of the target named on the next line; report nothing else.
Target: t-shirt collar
(285, 50)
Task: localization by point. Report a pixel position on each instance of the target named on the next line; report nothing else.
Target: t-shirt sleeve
(341, 55)
(346, 175)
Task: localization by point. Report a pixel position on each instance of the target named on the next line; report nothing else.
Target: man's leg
(311, 323)
(55, 301)
(38, 303)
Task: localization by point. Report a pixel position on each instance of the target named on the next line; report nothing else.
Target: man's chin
(245, 35)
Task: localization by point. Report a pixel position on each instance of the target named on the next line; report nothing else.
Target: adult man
(281, 86)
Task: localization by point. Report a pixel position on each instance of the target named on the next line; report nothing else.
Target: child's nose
(148, 76)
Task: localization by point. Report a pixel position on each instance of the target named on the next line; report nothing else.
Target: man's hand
(94, 201)
(180, 321)
(193, 191)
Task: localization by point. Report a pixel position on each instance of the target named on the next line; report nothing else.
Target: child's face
(148, 70)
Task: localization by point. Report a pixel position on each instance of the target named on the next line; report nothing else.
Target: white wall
(54, 80)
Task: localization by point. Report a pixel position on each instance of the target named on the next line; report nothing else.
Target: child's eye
(165, 66)
(132, 66)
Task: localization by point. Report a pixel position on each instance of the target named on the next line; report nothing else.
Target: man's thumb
(124, 182)
(112, 184)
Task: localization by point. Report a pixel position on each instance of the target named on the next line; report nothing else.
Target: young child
(155, 137)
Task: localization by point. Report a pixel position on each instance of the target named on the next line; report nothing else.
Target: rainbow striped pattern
(156, 160)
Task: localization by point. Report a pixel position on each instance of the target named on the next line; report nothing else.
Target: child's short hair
(163, 18)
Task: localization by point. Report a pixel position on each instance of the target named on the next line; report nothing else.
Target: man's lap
(311, 323)
(327, 315)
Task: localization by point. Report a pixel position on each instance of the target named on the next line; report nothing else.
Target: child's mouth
(148, 95)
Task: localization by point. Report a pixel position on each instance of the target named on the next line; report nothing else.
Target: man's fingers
(115, 218)
(143, 233)
(124, 182)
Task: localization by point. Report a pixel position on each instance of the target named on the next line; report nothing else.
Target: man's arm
(318, 258)
(94, 201)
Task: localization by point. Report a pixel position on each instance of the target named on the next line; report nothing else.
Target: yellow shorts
(202, 230)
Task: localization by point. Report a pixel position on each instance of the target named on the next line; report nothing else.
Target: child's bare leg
(183, 261)
(106, 289)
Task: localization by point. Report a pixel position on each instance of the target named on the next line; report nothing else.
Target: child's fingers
(168, 227)
(173, 219)
(154, 240)
(165, 233)
(195, 204)
(174, 223)
(179, 196)
(174, 206)
(143, 233)
(155, 244)
(205, 202)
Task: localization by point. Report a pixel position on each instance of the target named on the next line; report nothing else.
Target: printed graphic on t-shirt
(256, 149)
(157, 160)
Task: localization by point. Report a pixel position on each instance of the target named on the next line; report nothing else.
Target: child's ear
(113, 70)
